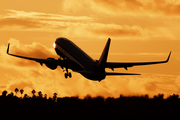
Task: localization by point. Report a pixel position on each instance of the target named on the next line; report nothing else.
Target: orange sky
(140, 31)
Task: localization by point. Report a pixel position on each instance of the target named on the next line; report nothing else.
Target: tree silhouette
(4, 93)
(40, 94)
(54, 96)
(45, 96)
(174, 96)
(11, 94)
(21, 92)
(33, 92)
(25, 96)
(16, 90)
(124, 107)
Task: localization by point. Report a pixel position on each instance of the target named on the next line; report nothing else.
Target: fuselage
(79, 60)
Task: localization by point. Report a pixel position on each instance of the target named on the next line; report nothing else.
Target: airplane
(72, 57)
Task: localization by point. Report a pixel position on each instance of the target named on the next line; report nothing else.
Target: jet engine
(50, 64)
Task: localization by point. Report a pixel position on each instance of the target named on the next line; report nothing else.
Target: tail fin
(104, 55)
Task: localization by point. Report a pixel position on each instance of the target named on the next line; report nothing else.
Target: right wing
(113, 65)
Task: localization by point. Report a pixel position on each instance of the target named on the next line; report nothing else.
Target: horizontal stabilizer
(110, 73)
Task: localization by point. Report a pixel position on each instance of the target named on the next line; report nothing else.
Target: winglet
(8, 48)
(168, 57)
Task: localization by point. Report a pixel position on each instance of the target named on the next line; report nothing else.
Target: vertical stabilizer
(104, 55)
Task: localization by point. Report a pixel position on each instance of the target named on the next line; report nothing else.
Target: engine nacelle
(51, 65)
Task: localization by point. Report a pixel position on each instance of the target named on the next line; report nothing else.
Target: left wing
(50, 61)
(113, 65)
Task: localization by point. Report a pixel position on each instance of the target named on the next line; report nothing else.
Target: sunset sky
(140, 30)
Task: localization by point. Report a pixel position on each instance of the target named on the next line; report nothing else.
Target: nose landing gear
(67, 74)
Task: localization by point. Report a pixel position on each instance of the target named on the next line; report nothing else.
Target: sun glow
(135, 27)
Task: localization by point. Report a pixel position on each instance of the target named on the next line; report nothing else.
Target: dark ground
(130, 107)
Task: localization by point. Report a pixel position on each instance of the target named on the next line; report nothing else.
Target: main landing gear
(67, 74)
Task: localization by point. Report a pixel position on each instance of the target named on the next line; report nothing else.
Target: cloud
(30, 76)
(46, 16)
(78, 26)
(167, 7)
(135, 7)
(24, 23)
(26, 74)
(125, 7)
(37, 20)
(116, 30)
(35, 50)
(89, 22)
(21, 85)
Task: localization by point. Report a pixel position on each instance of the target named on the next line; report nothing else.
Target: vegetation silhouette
(123, 107)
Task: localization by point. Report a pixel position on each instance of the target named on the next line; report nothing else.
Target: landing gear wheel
(66, 75)
(70, 75)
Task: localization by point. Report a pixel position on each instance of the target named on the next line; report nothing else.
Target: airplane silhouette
(72, 57)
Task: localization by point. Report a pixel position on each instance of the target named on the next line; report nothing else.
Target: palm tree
(16, 90)
(40, 94)
(21, 92)
(45, 96)
(11, 94)
(55, 96)
(25, 96)
(4, 93)
(33, 92)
